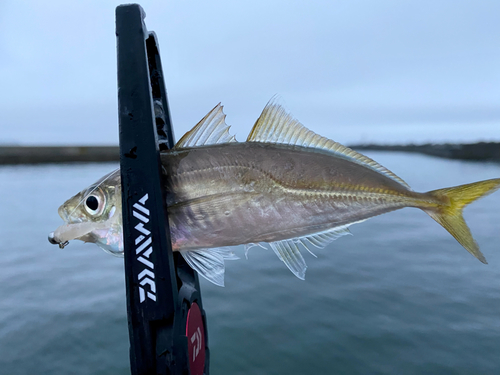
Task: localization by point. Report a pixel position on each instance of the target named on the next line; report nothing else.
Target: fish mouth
(80, 230)
(63, 212)
(53, 237)
(69, 214)
(68, 231)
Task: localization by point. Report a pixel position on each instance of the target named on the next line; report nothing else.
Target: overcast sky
(346, 69)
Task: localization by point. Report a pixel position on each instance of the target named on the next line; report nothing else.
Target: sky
(354, 70)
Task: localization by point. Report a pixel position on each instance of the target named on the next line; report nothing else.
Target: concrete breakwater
(57, 154)
(481, 151)
(93, 154)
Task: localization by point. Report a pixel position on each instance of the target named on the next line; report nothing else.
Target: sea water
(400, 296)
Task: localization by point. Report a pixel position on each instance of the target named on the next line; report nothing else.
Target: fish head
(93, 215)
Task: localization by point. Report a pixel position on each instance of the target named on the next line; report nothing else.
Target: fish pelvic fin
(209, 263)
(449, 214)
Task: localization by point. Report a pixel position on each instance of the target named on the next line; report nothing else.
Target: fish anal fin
(248, 246)
(322, 239)
(212, 129)
(289, 253)
(275, 125)
(288, 250)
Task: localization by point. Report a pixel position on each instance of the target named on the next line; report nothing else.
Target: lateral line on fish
(334, 190)
(360, 192)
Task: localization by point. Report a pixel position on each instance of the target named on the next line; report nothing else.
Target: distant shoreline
(480, 151)
(57, 154)
(12, 155)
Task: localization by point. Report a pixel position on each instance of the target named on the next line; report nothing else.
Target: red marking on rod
(195, 333)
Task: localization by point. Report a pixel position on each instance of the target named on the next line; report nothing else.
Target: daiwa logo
(143, 250)
(196, 340)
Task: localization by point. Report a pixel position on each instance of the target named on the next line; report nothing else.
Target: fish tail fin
(449, 214)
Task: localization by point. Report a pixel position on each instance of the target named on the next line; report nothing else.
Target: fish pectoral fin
(209, 263)
(288, 252)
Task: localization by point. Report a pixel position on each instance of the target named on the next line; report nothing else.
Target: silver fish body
(255, 192)
(285, 186)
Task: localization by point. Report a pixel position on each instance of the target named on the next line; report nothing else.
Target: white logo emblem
(196, 347)
(144, 250)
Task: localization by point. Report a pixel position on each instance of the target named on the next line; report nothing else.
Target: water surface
(399, 296)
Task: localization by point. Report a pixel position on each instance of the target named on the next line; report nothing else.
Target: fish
(286, 187)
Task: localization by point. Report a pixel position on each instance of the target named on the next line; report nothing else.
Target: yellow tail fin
(449, 215)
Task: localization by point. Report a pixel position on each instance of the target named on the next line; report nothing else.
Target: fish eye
(92, 204)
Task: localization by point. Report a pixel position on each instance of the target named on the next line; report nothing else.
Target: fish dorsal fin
(275, 125)
(209, 263)
(212, 129)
